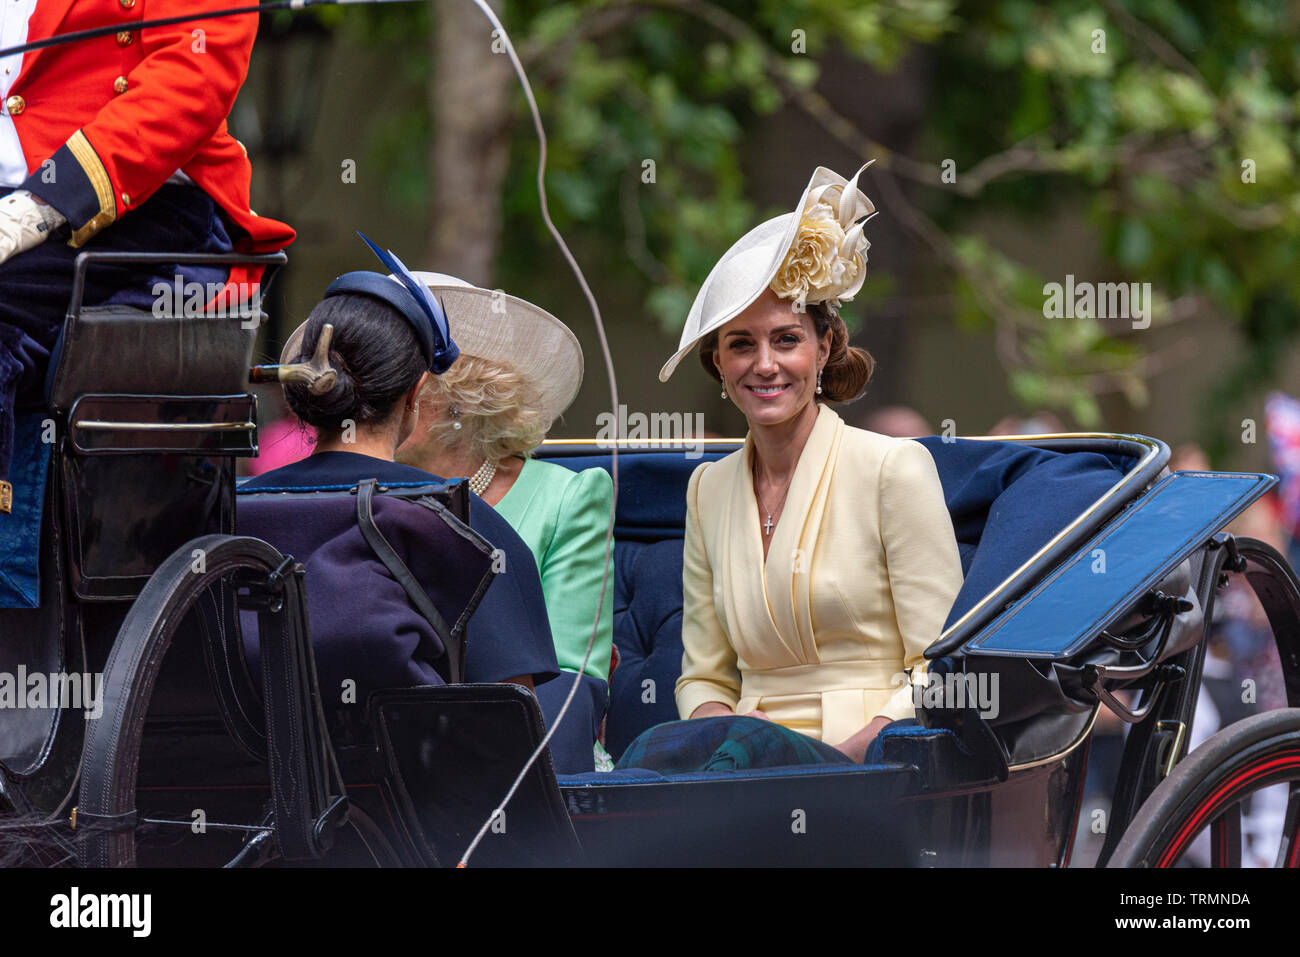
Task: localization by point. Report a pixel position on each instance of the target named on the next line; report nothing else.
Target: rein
(93, 32)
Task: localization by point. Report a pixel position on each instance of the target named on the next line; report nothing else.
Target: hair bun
(848, 369)
(374, 353)
(846, 379)
(331, 409)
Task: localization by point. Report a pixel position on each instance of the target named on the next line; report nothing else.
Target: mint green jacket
(563, 515)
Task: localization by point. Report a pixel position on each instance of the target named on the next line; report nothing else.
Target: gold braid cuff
(95, 171)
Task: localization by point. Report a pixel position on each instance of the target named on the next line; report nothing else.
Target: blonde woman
(519, 369)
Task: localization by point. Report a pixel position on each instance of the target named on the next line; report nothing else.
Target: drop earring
(724, 391)
(454, 412)
(819, 381)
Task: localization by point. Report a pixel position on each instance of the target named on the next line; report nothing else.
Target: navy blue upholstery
(648, 632)
(649, 520)
(651, 489)
(1005, 499)
(570, 746)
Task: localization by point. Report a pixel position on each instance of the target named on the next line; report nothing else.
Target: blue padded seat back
(648, 632)
(651, 490)
(1005, 499)
(649, 523)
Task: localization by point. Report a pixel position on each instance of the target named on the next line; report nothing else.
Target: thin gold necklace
(768, 525)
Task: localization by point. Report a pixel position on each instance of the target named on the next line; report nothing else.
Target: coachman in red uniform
(118, 142)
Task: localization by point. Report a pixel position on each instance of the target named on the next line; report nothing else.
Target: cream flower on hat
(827, 260)
(816, 254)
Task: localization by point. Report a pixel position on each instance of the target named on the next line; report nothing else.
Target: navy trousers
(35, 287)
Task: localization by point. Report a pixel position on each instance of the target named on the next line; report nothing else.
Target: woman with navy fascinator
(360, 361)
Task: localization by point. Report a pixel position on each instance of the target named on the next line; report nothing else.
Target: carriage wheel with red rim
(1207, 788)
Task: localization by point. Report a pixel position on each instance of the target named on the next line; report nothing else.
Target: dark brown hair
(375, 354)
(847, 371)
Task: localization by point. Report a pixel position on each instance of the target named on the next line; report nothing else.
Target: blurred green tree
(1173, 126)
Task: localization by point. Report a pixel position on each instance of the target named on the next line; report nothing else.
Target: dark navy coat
(363, 627)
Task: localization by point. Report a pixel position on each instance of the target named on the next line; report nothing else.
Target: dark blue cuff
(75, 182)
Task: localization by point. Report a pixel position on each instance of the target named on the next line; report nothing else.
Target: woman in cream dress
(820, 560)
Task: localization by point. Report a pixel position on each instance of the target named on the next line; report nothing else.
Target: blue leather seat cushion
(648, 632)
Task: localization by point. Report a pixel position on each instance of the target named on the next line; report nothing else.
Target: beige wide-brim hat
(490, 324)
(753, 262)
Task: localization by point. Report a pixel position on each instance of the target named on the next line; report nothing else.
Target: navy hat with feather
(410, 297)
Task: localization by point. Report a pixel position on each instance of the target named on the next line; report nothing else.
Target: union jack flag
(1283, 423)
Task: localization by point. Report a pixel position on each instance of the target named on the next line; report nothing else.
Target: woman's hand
(856, 746)
(711, 709)
(715, 709)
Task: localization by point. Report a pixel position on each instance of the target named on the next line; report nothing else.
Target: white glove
(25, 223)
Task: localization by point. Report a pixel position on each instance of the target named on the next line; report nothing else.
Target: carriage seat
(142, 358)
(995, 492)
(366, 633)
(126, 350)
(119, 351)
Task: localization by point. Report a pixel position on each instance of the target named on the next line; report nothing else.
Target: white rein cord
(613, 396)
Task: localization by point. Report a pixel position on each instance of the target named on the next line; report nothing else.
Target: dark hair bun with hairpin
(375, 354)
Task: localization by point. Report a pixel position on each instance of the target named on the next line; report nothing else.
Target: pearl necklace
(481, 479)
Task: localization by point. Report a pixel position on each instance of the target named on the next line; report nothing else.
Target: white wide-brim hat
(753, 262)
(492, 324)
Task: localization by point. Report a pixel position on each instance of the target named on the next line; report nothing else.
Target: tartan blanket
(724, 744)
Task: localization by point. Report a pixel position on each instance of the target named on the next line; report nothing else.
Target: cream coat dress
(860, 575)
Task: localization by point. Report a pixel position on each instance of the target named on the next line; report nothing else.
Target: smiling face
(768, 357)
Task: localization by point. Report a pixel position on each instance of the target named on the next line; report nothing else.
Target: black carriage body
(141, 496)
(148, 413)
(926, 804)
(958, 792)
(141, 579)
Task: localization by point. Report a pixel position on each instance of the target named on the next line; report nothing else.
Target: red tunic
(104, 122)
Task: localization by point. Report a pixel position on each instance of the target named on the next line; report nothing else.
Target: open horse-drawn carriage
(1091, 574)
